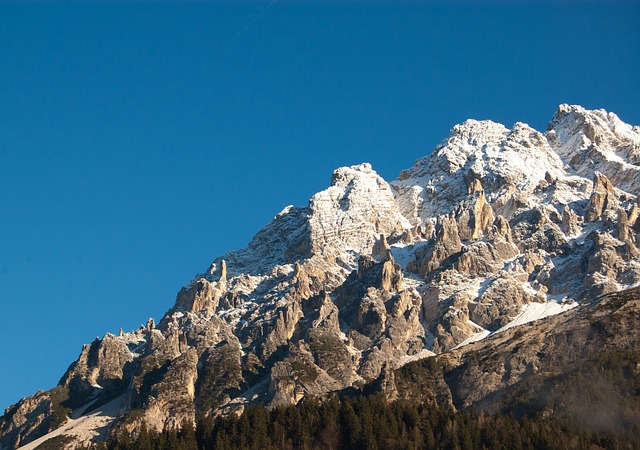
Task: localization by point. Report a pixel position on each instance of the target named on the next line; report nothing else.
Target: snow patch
(84, 427)
(555, 304)
(403, 254)
(424, 353)
(537, 311)
(483, 333)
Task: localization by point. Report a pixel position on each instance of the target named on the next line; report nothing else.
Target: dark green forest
(365, 422)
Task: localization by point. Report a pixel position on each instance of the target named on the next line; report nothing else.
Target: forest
(364, 422)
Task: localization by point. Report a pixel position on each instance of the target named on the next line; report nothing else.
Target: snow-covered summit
(349, 215)
(477, 155)
(595, 140)
(354, 211)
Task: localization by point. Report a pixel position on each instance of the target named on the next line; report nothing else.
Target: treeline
(365, 422)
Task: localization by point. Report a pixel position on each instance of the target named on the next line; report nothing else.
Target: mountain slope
(579, 368)
(494, 228)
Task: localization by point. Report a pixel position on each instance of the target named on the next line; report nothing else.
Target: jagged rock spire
(603, 198)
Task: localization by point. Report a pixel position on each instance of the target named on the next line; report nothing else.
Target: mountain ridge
(495, 227)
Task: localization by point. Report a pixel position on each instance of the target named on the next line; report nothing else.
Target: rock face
(495, 228)
(27, 420)
(353, 211)
(580, 367)
(596, 140)
(603, 199)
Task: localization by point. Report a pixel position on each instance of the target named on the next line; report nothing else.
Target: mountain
(500, 253)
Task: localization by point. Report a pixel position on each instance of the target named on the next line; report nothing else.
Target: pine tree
(144, 440)
(187, 436)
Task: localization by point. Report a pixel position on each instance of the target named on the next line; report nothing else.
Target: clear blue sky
(138, 142)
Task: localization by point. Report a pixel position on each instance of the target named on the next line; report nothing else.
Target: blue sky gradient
(140, 141)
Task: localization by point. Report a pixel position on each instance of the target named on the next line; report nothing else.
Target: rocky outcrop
(622, 225)
(26, 420)
(201, 295)
(446, 244)
(449, 321)
(603, 199)
(570, 221)
(102, 362)
(500, 303)
(476, 219)
(172, 398)
(322, 313)
(353, 211)
(596, 140)
(501, 230)
(482, 258)
(381, 250)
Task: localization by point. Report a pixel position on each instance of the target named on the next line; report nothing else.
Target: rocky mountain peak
(596, 140)
(597, 127)
(348, 216)
(353, 212)
(495, 228)
(478, 155)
